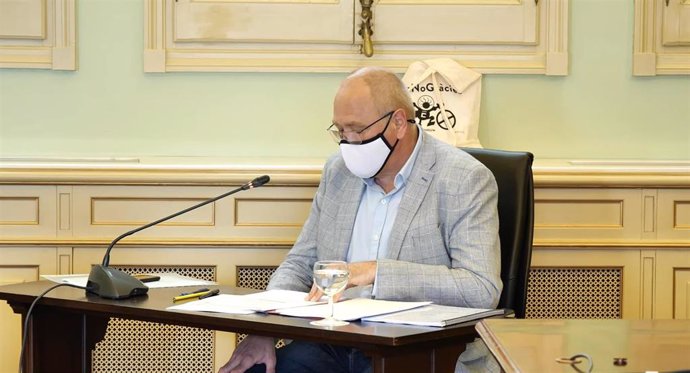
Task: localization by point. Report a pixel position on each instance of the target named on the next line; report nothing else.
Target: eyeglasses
(354, 137)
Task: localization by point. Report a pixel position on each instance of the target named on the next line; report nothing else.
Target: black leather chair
(513, 173)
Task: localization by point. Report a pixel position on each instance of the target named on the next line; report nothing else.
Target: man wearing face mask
(415, 219)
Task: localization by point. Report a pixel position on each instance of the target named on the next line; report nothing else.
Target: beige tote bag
(446, 97)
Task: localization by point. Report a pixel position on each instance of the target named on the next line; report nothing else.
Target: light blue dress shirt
(376, 214)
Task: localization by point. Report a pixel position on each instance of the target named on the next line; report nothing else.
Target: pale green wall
(109, 107)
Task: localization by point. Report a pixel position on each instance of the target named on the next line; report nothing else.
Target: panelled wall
(224, 35)
(610, 241)
(59, 220)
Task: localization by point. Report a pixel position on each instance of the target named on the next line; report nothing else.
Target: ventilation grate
(575, 293)
(254, 277)
(146, 347)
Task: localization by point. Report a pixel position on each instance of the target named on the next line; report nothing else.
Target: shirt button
(384, 201)
(376, 237)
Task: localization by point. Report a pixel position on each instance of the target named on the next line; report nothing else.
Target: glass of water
(330, 276)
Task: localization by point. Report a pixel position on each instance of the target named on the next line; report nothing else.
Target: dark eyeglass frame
(337, 134)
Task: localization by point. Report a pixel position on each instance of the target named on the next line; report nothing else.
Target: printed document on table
(257, 302)
(352, 309)
(270, 300)
(436, 315)
(168, 280)
(222, 303)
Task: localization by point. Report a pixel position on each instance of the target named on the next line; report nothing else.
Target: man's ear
(400, 121)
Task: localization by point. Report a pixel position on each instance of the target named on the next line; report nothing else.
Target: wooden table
(67, 323)
(533, 345)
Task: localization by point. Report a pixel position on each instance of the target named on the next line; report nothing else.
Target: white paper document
(352, 309)
(223, 303)
(436, 315)
(257, 302)
(276, 299)
(168, 280)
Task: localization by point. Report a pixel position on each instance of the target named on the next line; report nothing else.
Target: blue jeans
(308, 357)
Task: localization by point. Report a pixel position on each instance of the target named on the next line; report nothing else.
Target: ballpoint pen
(194, 295)
(210, 294)
(195, 291)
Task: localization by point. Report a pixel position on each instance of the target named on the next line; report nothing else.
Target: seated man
(415, 219)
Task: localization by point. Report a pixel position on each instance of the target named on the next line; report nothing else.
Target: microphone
(108, 282)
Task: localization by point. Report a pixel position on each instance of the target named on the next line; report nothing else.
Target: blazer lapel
(351, 195)
(417, 187)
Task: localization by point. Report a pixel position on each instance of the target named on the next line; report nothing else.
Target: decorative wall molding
(652, 55)
(647, 284)
(576, 205)
(19, 210)
(55, 48)
(306, 172)
(163, 53)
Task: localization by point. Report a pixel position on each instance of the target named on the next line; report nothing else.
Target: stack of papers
(292, 303)
(436, 315)
(352, 309)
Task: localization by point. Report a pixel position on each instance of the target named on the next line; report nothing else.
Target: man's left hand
(362, 273)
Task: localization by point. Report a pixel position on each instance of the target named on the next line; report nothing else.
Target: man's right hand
(252, 350)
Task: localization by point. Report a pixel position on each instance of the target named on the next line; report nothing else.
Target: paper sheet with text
(257, 302)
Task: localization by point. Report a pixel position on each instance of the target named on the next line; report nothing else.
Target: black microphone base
(108, 282)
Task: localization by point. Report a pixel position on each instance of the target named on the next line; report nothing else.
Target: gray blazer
(443, 247)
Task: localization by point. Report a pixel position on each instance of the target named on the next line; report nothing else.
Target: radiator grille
(146, 347)
(575, 293)
(254, 277)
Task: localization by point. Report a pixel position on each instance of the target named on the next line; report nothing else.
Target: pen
(195, 291)
(193, 295)
(210, 294)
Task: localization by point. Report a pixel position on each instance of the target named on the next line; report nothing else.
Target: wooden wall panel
(268, 213)
(135, 211)
(271, 212)
(674, 215)
(661, 42)
(38, 34)
(681, 295)
(323, 35)
(19, 264)
(27, 211)
(23, 19)
(587, 215)
(673, 284)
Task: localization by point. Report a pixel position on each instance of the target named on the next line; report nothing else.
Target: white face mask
(368, 158)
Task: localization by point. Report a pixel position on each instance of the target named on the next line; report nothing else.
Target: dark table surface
(152, 307)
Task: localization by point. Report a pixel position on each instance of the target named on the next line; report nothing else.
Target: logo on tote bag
(428, 114)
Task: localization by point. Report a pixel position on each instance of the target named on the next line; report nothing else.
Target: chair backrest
(513, 173)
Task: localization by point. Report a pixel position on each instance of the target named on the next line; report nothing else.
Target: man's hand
(252, 350)
(361, 274)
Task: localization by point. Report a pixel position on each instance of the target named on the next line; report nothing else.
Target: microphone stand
(108, 282)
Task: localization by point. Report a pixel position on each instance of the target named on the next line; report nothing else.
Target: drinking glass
(330, 276)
